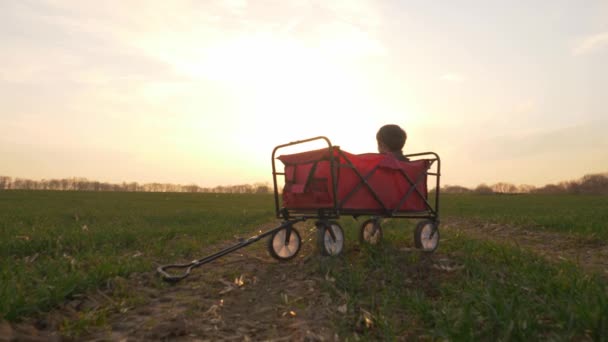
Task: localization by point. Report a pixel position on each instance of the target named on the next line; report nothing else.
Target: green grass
(57, 244)
(77, 240)
(511, 293)
(500, 293)
(578, 214)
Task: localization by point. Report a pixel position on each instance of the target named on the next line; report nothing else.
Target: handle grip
(162, 270)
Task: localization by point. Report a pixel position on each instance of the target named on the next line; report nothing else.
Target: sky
(200, 92)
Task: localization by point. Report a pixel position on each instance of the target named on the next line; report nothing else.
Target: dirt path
(259, 304)
(590, 254)
(244, 296)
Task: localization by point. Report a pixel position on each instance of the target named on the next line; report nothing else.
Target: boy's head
(391, 138)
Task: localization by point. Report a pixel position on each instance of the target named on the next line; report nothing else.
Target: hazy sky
(201, 91)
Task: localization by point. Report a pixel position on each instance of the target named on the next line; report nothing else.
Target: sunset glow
(201, 92)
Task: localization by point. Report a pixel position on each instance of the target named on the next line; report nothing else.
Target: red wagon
(329, 182)
(326, 183)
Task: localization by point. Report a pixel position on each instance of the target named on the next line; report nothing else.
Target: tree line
(588, 184)
(83, 184)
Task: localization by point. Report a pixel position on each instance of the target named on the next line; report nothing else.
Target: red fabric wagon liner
(371, 183)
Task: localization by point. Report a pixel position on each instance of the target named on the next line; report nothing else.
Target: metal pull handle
(162, 270)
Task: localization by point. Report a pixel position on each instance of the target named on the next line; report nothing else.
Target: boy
(391, 139)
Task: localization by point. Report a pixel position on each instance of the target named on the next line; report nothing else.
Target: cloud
(235, 6)
(587, 137)
(364, 14)
(452, 77)
(591, 43)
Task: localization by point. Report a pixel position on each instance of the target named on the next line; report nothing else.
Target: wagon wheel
(330, 238)
(370, 232)
(426, 236)
(284, 244)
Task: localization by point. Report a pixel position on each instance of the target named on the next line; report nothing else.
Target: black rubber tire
(367, 235)
(326, 245)
(422, 236)
(276, 244)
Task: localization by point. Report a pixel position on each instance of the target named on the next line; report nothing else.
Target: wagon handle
(162, 270)
(172, 278)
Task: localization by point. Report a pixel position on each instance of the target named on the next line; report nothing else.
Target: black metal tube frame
(282, 213)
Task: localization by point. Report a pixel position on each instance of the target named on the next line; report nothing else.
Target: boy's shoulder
(399, 156)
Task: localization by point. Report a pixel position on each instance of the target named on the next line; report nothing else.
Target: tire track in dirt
(590, 254)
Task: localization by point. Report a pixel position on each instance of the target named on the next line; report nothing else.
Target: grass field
(578, 214)
(57, 244)
(490, 291)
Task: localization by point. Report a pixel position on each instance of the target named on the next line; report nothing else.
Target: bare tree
(455, 189)
(5, 182)
(262, 188)
(483, 189)
(526, 189)
(594, 184)
(504, 188)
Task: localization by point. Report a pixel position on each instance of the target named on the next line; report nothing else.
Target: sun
(281, 89)
(284, 88)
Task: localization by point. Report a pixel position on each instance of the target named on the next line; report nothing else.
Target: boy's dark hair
(392, 136)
